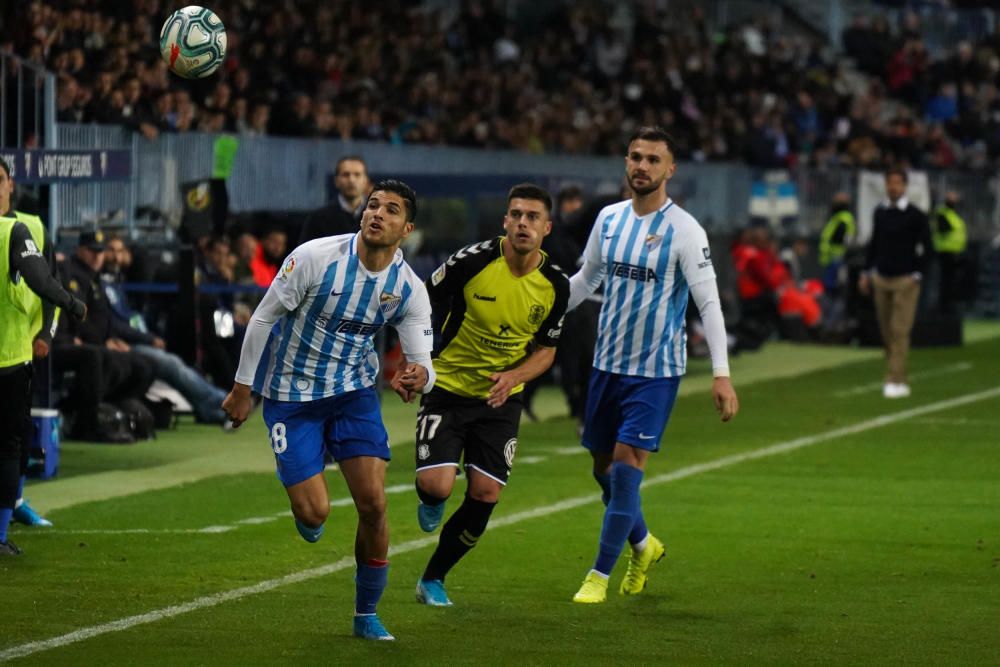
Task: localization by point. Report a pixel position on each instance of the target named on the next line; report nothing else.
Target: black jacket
(901, 241)
(101, 323)
(330, 220)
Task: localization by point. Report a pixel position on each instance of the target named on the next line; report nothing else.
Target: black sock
(426, 498)
(459, 534)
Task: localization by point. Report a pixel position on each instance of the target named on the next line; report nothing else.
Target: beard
(652, 186)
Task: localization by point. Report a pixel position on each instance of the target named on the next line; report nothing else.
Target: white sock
(640, 546)
(20, 501)
(600, 574)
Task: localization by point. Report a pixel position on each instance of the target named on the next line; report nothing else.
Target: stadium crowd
(576, 81)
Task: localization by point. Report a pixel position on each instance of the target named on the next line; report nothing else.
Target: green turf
(881, 547)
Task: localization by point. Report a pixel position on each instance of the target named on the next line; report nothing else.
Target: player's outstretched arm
(238, 403)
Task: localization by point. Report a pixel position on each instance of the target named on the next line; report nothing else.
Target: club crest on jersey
(536, 315)
(287, 269)
(387, 301)
(653, 241)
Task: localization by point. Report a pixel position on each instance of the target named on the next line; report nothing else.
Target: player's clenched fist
(238, 404)
(725, 398)
(409, 382)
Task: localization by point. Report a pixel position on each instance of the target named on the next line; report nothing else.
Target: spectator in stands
(223, 318)
(205, 399)
(246, 249)
(943, 107)
(343, 215)
(260, 120)
(270, 253)
(478, 76)
(756, 283)
(106, 368)
(296, 119)
(67, 108)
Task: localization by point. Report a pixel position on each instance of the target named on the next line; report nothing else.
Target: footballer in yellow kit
(499, 307)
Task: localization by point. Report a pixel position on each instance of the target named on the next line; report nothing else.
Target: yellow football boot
(594, 589)
(638, 565)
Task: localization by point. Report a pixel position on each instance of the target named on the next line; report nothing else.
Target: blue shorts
(348, 425)
(627, 409)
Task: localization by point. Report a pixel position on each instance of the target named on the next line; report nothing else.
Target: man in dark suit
(343, 215)
(898, 251)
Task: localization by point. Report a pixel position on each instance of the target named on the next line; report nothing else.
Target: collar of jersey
(396, 259)
(501, 240)
(662, 209)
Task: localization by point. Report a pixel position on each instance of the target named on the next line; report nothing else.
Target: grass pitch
(873, 544)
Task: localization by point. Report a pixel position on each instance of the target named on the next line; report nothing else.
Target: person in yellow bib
(499, 307)
(949, 235)
(24, 274)
(44, 317)
(839, 231)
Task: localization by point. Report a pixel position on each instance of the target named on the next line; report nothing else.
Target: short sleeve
(551, 328)
(695, 257)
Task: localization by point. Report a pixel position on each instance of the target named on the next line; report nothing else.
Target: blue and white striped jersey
(647, 264)
(323, 345)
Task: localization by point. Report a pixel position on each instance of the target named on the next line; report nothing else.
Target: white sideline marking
(412, 545)
(569, 451)
(934, 372)
(251, 521)
(960, 421)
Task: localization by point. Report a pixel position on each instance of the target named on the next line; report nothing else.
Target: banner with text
(67, 166)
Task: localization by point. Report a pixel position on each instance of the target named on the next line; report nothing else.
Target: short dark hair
(530, 191)
(349, 158)
(899, 171)
(5, 166)
(407, 193)
(217, 240)
(654, 133)
(567, 192)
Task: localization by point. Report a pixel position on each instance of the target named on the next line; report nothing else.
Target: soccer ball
(193, 42)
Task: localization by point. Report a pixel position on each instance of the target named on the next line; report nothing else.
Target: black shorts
(448, 424)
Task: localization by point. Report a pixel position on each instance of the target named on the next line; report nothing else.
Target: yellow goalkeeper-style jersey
(488, 318)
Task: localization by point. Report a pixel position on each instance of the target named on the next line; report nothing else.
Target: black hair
(349, 158)
(5, 166)
(404, 191)
(654, 133)
(899, 171)
(215, 240)
(571, 191)
(530, 191)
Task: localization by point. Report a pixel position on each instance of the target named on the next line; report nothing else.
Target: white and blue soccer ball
(193, 42)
